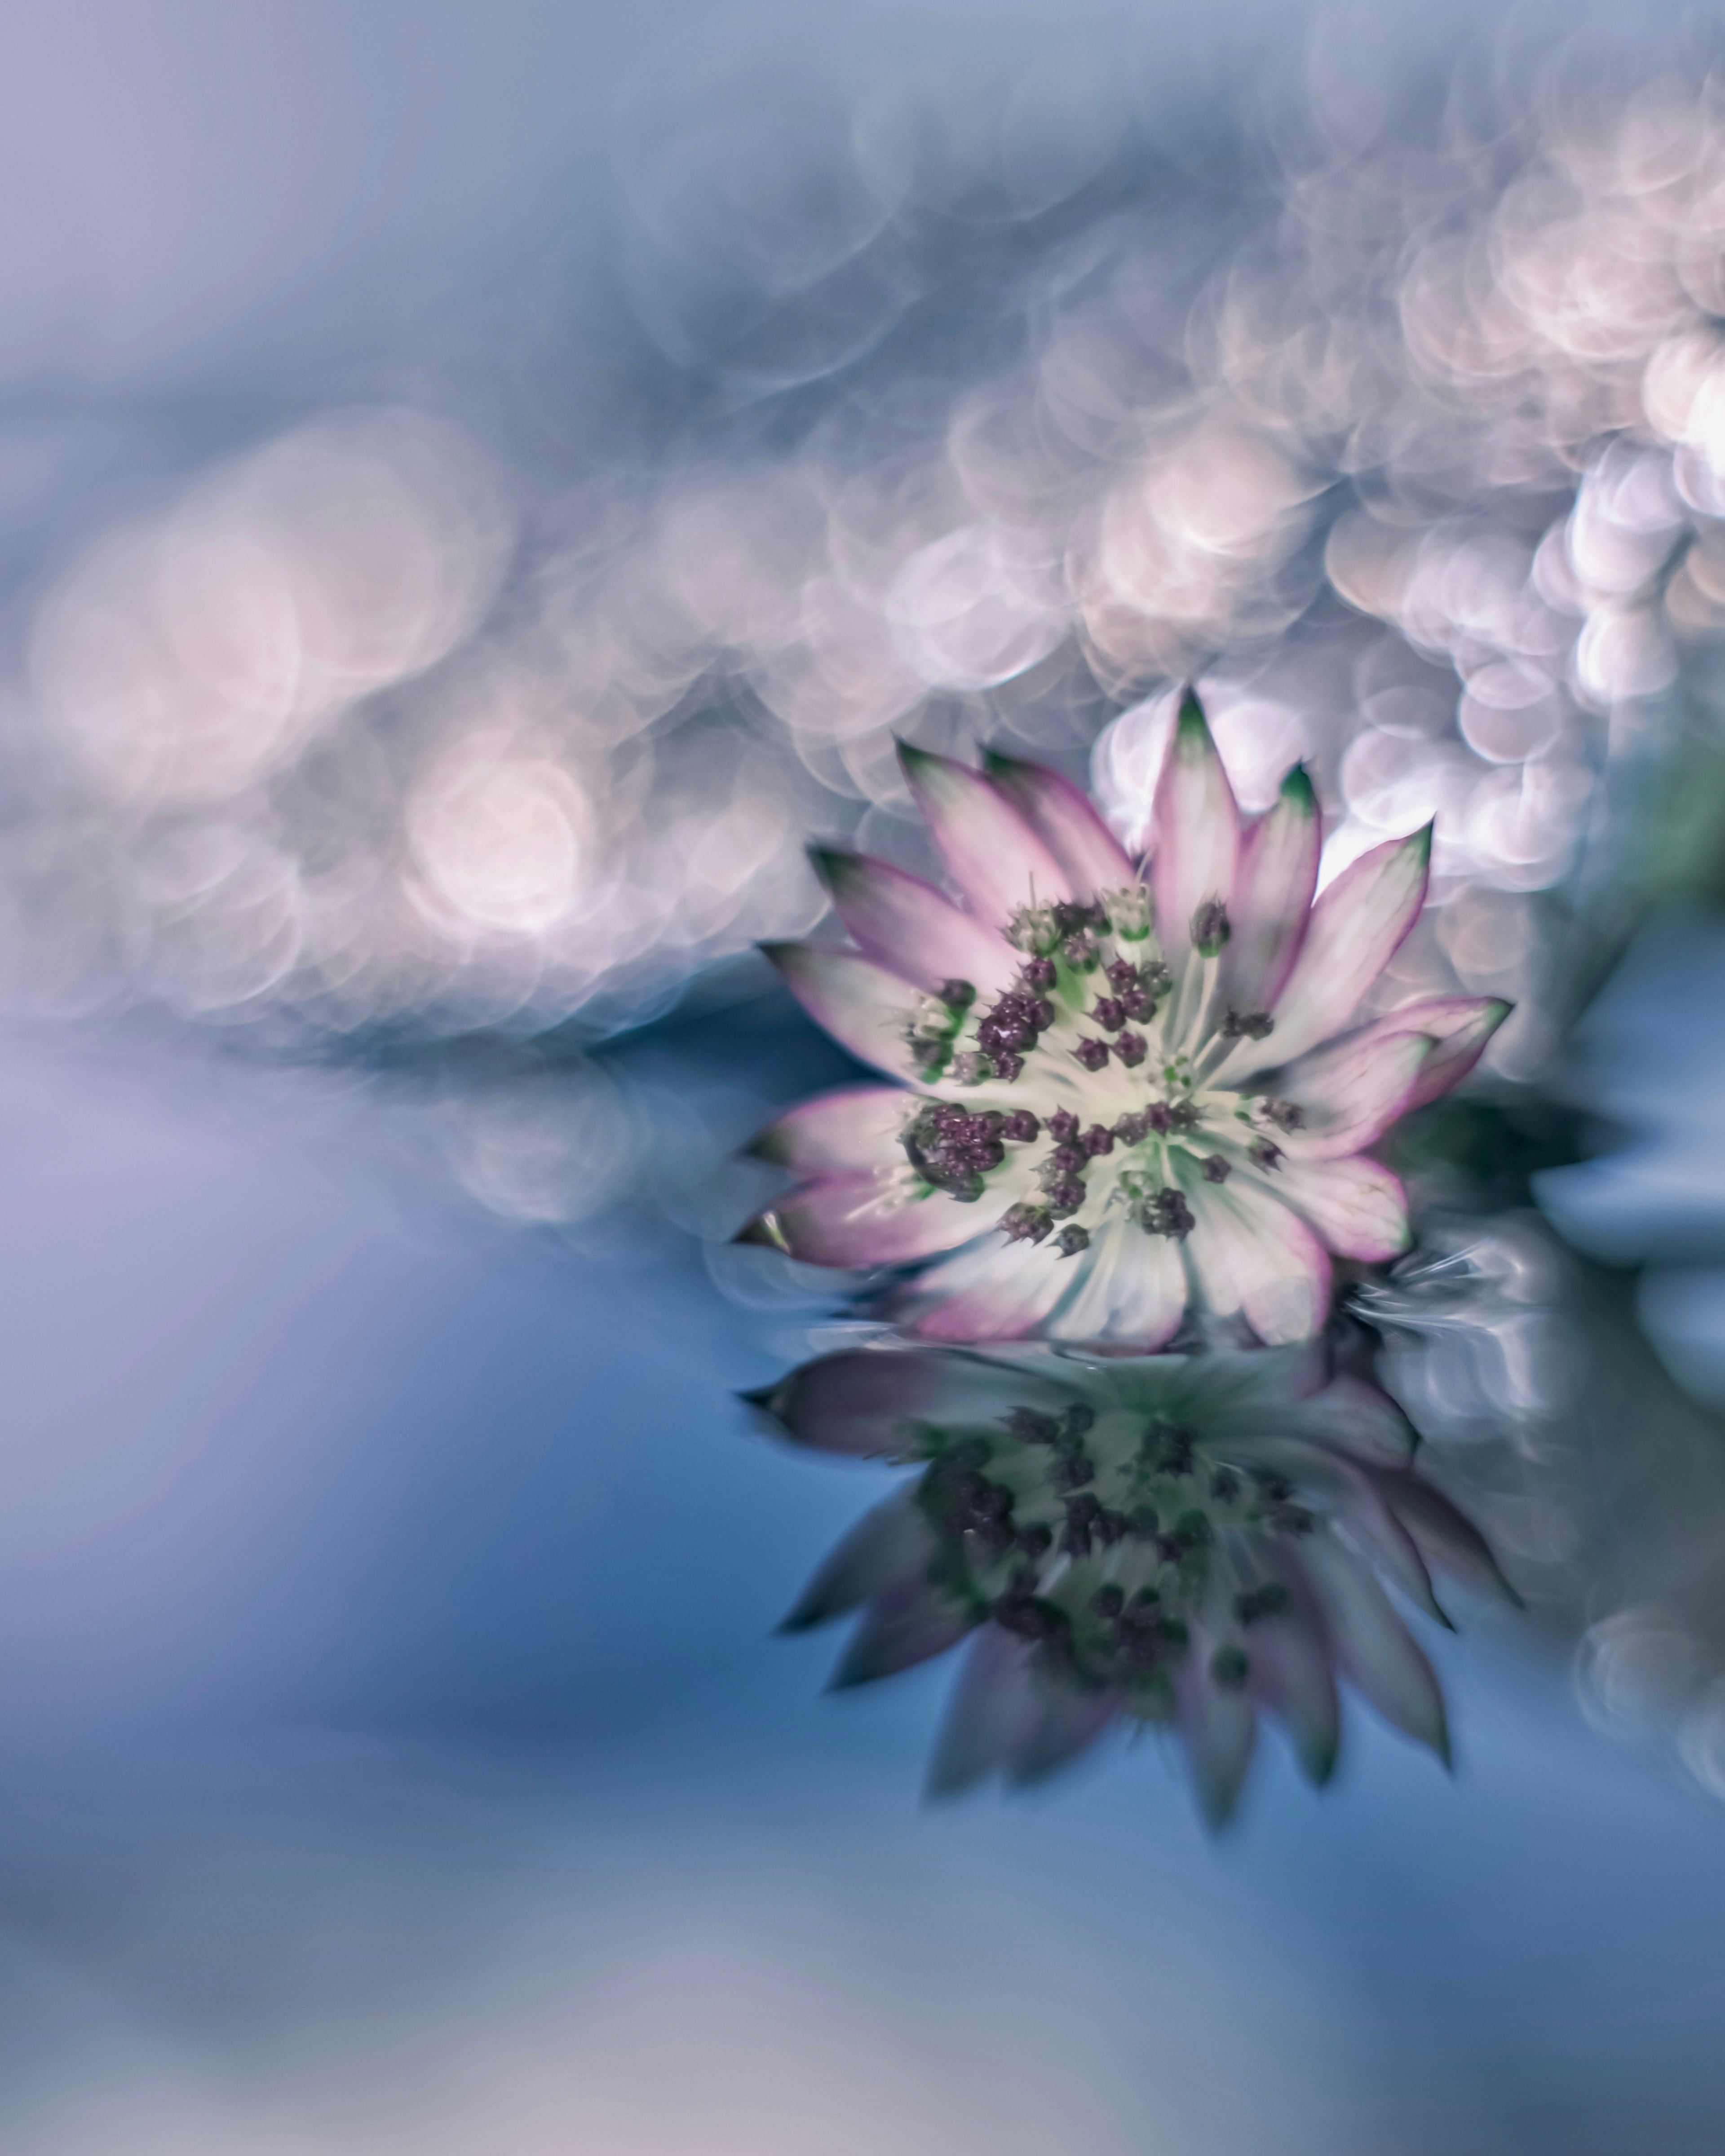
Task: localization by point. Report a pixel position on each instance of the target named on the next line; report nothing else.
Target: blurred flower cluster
(1181, 1540)
(979, 403)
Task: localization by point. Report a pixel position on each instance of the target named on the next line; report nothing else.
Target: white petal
(1355, 930)
(856, 1127)
(905, 924)
(1272, 897)
(1063, 818)
(1132, 1288)
(1252, 1256)
(1350, 1094)
(872, 1219)
(1460, 1027)
(863, 1006)
(991, 853)
(1196, 823)
(994, 1291)
(1356, 1204)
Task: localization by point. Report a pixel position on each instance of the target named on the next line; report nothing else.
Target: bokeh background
(479, 487)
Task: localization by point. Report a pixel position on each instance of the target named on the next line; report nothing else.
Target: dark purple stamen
(1026, 1223)
(1094, 1054)
(1215, 1168)
(1264, 1154)
(1073, 1239)
(1021, 1127)
(1108, 1014)
(1098, 1139)
(1248, 1025)
(1168, 1214)
(1063, 1126)
(1130, 1049)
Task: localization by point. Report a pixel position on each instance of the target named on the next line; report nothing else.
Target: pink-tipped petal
(1349, 1095)
(1355, 930)
(865, 1007)
(873, 1218)
(1272, 897)
(1292, 1676)
(1374, 1646)
(1219, 1723)
(1460, 1028)
(1359, 1208)
(1446, 1537)
(1350, 1415)
(994, 1711)
(998, 1291)
(866, 1402)
(1196, 827)
(884, 1544)
(857, 1127)
(1252, 1256)
(904, 924)
(907, 1623)
(1132, 1289)
(1093, 858)
(1380, 1537)
(991, 853)
(1067, 1726)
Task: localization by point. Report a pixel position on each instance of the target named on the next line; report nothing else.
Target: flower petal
(1357, 1206)
(1251, 1253)
(1351, 1093)
(1446, 1536)
(886, 1542)
(1067, 1725)
(871, 1218)
(993, 1710)
(856, 1127)
(907, 925)
(1093, 858)
(1291, 1674)
(907, 1623)
(1460, 1028)
(1354, 1417)
(991, 1291)
(1219, 1724)
(866, 1402)
(1355, 929)
(1131, 1287)
(1272, 897)
(991, 853)
(865, 1007)
(1372, 1644)
(1196, 823)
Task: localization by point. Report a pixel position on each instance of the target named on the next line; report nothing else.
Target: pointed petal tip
(996, 763)
(1191, 711)
(762, 1397)
(1298, 791)
(763, 1232)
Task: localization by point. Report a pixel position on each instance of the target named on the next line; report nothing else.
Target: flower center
(1110, 1057)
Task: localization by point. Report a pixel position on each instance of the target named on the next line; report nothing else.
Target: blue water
(397, 1756)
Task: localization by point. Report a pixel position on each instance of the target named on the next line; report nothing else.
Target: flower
(1133, 1088)
(1173, 1539)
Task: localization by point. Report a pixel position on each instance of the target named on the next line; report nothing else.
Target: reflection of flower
(1173, 1539)
(1128, 1087)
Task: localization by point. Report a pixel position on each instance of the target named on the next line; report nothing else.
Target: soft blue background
(397, 1756)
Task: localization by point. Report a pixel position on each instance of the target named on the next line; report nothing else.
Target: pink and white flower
(1188, 1541)
(1137, 1087)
